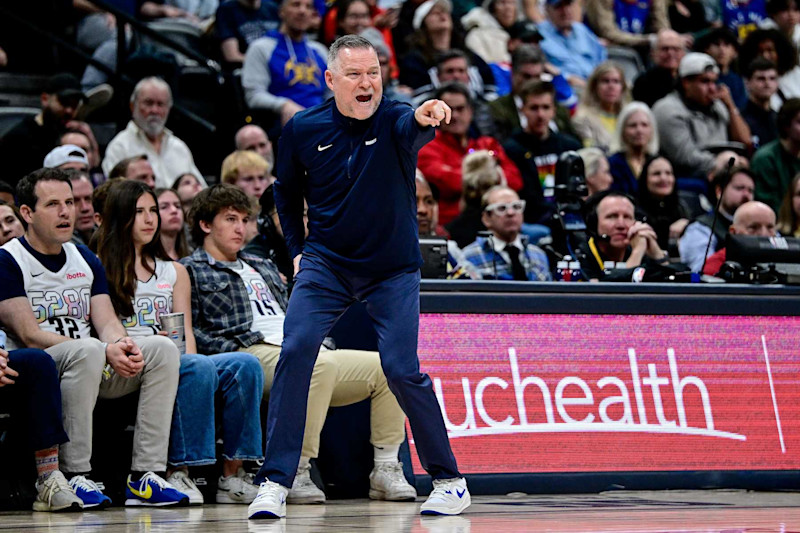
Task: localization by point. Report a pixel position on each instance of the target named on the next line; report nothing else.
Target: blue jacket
(358, 179)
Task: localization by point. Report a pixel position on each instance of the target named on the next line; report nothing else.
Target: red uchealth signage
(602, 393)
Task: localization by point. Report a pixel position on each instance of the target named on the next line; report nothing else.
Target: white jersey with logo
(60, 300)
(153, 298)
(267, 313)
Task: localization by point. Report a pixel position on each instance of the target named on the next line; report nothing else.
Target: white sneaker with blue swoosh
(270, 501)
(449, 497)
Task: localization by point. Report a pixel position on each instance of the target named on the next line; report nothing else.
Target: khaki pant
(80, 366)
(342, 377)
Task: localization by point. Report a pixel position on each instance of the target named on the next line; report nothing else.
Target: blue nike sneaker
(449, 497)
(153, 491)
(90, 492)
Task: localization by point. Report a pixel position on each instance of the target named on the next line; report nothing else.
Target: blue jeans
(34, 400)
(320, 296)
(237, 380)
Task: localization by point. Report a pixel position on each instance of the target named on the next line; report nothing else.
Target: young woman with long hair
(173, 232)
(144, 284)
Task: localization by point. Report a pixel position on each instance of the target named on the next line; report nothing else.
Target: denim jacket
(221, 313)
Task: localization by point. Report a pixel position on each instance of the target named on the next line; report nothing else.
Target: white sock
(386, 453)
(304, 462)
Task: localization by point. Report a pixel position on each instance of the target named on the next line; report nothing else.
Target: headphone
(591, 205)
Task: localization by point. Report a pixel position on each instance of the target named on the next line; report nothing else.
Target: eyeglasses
(517, 206)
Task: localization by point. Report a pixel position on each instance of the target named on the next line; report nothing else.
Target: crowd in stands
(709, 115)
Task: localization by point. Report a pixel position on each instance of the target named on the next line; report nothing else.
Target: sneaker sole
(223, 497)
(269, 515)
(44, 508)
(97, 506)
(466, 502)
(140, 503)
(375, 494)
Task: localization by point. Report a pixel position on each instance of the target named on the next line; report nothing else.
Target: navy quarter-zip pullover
(358, 179)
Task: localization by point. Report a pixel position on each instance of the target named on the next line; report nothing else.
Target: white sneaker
(55, 494)
(449, 497)
(270, 501)
(181, 481)
(303, 488)
(387, 482)
(237, 489)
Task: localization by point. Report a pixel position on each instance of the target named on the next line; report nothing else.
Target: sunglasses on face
(517, 206)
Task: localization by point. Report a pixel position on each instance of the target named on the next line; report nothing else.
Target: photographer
(618, 237)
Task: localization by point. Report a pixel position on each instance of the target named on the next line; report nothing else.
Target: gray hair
(624, 114)
(591, 159)
(346, 41)
(151, 80)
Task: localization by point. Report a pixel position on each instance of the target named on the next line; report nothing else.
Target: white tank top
(60, 300)
(153, 298)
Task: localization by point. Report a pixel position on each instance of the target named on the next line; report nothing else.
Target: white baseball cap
(696, 63)
(67, 153)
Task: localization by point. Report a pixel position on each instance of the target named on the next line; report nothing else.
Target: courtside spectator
(6, 192)
(697, 115)
(761, 79)
(528, 63)
(734, 191)
(631, 24)
(111, 366)
(24, 147)
(774, 46)
(658, 199)
(254, 138)
(752, 218)
(250, 318)
(129, 241)
(596, 169)
(187, 188)
(535, 150)
(240, 22)
(507, 254)
(789, 214)
(246, 170)
(722, 45)
(636, 138)
(147, 134)
(440, 160)
(659, 80)
(605, 93)
(11, 225)
(65, 157)
(283, 72)
(173, 228)
(135, 168)
(569, 44)
(29, 392)
(480, 172)
(82, 190)
(777, 162)
(488, 29)
(435, 33)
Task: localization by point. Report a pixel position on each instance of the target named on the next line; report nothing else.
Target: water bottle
(575, 270)
(561, 266)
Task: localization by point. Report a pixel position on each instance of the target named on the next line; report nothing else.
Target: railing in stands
(122, 49)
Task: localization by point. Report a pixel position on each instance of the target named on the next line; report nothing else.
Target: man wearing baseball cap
(697, 115)
(67, 156)
(25, 146)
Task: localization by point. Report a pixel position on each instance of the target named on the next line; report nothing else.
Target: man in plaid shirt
(239, 304)
(507, 254)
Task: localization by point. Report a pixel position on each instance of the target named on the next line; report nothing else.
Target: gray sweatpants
(80, 366)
